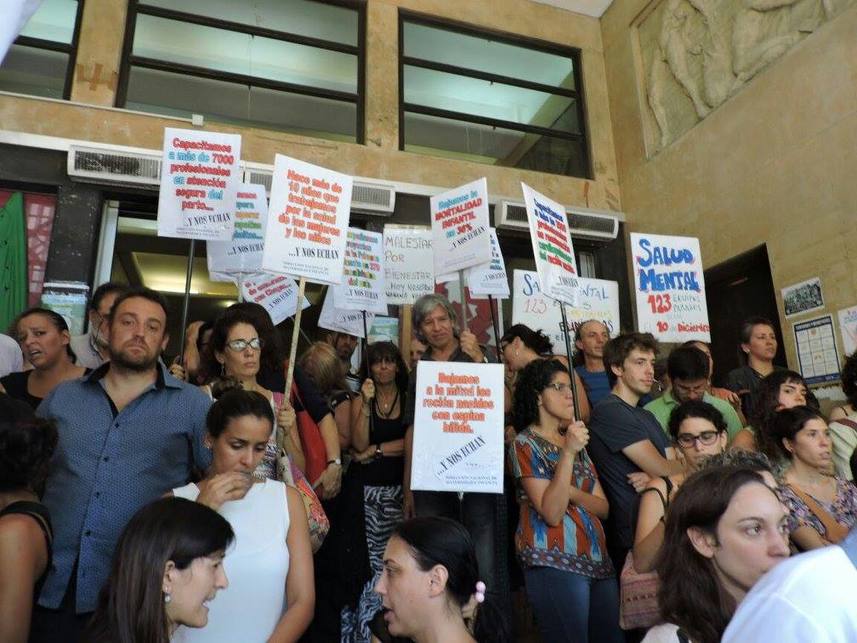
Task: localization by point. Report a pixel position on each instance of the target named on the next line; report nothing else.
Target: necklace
(392, 405)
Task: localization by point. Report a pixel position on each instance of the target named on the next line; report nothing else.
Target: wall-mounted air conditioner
(584, 223)
(114, 167)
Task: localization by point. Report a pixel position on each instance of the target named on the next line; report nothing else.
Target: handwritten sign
(342, 321)
(459, 224)
(363, 285)
(277, 293)
(243, 254)
(848, 329)
(670, 288)
(307, 221)
(458, 428)
(552, 247)
(199, 182)
(598, 299)
(490, 278)
(408, 263)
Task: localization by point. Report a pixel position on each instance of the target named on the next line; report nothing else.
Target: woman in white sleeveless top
(271, 594)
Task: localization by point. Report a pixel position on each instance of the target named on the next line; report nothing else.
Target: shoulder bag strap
(851, 424)
(664, 501)
(835, 530)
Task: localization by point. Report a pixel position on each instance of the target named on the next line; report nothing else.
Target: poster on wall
(552, 247)
(408, 263)
(801, 298)
(384, 329)
(458, 428)
(278, 294)
(68, 299)
(489, 278)
(459, 224)
(670, 287)
(199, 183)
(848, 329)
(362, 286)
(307, 221)
(815, 344)
(242, 255)
(598, 299)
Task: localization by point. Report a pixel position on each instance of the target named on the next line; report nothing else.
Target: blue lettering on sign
(650, 280)
(662, 256)
(531, 285)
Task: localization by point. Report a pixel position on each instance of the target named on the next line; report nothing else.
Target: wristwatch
(379, 452)
(336, 461)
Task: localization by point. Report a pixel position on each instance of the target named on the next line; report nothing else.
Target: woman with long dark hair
(430, 580)
(44, 339)
(168, 564)
(757, 350)
(725, 528)
(371, 504)
(560, 540)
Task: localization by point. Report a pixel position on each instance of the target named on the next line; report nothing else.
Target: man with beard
(90, 349)
(344, 345)
(128, 432)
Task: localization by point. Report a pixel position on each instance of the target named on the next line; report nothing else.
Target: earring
(167, 597)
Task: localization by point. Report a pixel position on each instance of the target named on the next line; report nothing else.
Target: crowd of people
(203, 501)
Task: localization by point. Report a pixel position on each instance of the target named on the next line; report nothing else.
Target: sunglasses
(239, 345)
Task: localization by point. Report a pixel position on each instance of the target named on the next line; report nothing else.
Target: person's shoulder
(525, 437)
(663, 633)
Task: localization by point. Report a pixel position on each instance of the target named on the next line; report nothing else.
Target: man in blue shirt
(128, 433)
(589, 339)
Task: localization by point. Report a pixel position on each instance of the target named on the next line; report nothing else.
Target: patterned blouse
(577, 544)
(843, 508)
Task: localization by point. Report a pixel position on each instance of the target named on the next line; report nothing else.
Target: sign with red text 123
(362, 286)
(243, 254)
(670, 287)
(459, 224)
(278, 294)
(199, 183)
(552, 247)
(458, 427)
(307, 221)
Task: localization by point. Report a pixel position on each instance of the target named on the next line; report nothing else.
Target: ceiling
(594, 8)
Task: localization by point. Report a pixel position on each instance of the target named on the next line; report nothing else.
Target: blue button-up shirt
(107, 465)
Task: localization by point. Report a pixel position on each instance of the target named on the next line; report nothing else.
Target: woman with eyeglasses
(234, 355)
(698, 431)
(560, 541)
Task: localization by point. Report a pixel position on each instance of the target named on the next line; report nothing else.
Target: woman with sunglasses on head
(44, 338)
(234, 354)
(560, 540)
(698, 431)
(372, 488)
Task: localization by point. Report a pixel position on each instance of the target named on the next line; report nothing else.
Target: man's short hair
(102, 291)
(424, 306)
(143, 293)
(688, 364)
(616, 351)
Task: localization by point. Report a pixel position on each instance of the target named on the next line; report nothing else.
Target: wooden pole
(186, 302)
(293, 349)
(570, 366)
(463, 301)
(496, 327)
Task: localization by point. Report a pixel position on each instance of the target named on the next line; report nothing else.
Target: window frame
(509, 39)
(61, 47)
(136, 7)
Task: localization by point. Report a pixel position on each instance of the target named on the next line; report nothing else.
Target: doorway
(735, 289)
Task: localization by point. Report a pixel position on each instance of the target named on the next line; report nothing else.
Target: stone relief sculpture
(697, 53)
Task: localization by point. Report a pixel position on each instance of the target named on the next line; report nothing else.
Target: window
(490, 98)
(291, 65)
(41, 59)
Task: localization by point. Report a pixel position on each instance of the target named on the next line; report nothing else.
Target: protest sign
(199, 181)
(362, 286)
(342, 321)
(242, 255)
(307, 221)
(458, 428)
(408, 263)
(459, 224)
(384, 329)
(490, 278)
(598, 299)
(670, 287)
(552, 247)
(848, 329)
(277, 293)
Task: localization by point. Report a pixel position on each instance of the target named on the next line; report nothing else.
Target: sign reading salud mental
(670, 288)
(458, 428)
(408, 263)
(243, 254)
(307, 221)
(199, 182)
(362, 287)
(459, 223)
(552, 247)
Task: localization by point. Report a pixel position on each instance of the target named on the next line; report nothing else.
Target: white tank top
(256, 566)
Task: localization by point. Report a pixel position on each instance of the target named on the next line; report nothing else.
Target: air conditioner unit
(584, 223)
(114, 167)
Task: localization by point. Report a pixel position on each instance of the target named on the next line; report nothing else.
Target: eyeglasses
(706, 438)
(239, 345)
(559, 387)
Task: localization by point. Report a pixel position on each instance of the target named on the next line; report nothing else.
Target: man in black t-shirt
(626, 440)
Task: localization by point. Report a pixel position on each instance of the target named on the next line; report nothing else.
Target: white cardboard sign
(459, 223)
(342, 321)
(552, 247)
(458, 427)
(489, 278)
(242, 255)
(408, 263)
(307, 221)
(277, 293)
(362, 286)
(670, 287)
(199, 182)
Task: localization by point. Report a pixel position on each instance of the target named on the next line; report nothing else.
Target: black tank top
(39, 513)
